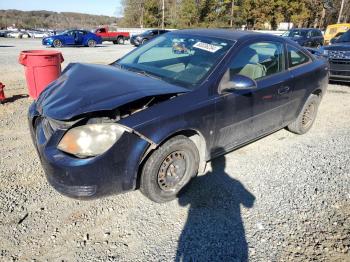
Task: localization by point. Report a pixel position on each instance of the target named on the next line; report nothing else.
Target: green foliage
(256, 14)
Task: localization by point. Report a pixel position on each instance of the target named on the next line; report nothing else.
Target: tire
(306, 117)
(144, 41)
(159, 180)
(120, 40)
(91, 43)
(57, 43)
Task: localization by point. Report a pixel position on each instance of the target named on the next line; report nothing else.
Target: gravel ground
(283, 198)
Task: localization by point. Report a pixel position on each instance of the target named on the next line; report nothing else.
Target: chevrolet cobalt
(153, 119)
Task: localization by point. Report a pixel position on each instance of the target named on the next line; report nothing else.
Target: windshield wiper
(142, 72)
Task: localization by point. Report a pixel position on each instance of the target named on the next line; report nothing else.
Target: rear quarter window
(296, 57)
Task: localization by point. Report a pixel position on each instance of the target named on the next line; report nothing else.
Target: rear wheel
(57, 43)
(91, 43)
(306, 117)
(169, 169)
(120, 40)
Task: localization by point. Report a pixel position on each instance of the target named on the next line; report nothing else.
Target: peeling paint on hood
(86, 88)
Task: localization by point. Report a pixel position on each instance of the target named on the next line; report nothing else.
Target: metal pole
(163, 10)
(341, 10)
(232, 8)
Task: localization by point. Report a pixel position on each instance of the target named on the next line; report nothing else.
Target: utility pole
(163, 16)
(341, 11)
(141, 17)
(232, 9)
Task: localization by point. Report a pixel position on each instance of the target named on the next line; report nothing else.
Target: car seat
(253, 69)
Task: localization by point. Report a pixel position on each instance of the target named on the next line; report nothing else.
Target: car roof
(305, 29)
(228, 34)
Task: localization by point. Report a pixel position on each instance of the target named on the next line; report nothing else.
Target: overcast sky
(97, 7)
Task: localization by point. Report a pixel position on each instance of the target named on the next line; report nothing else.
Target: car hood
(338, 47)
(86, 88)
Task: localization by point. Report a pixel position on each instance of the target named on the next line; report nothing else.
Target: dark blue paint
(224, 120)
(339, 58)
(309, 37)
(104, 88)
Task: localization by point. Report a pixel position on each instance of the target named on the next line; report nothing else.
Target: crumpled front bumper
(113, 172)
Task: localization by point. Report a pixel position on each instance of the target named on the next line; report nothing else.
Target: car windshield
(344, 38)
(183, 60)
(67, 32)
(295, 33)
(147, 32)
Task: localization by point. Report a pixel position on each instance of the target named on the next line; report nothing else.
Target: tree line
(53, 20)
(255, 14)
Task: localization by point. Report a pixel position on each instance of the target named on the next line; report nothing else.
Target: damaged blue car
(154, 118)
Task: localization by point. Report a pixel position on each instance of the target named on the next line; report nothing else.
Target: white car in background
(38, 34)
(15, 34)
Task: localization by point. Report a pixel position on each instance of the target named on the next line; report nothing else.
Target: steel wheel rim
(91, 43)
(309, 115)
(172, 171)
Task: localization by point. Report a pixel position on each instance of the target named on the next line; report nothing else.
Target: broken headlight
(91, 139)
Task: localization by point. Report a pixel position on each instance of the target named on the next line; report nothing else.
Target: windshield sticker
(207, 47)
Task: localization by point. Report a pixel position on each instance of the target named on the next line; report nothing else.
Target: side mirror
(236, 83)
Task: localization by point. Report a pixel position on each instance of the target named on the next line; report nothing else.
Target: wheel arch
(318, 92)
(194, 135)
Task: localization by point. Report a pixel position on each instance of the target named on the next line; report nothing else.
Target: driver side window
(259, 60)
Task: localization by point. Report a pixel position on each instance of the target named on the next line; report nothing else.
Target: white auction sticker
(207, 47)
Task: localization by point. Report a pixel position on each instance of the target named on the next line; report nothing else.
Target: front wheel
(91, 43)
(306, 117)
(169, 169)
(57, 43)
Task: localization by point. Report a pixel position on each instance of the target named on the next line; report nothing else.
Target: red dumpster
(41, 68)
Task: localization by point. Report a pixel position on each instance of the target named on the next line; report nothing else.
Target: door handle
(283, 90)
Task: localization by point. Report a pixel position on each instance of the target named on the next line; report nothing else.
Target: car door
(69, 38)
(320, 38)
(243, 115)
(304, 77)
(316, 38)
(79, 40)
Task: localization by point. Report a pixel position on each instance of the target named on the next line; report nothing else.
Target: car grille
(339, 55)
(340, 62)
(340, 73)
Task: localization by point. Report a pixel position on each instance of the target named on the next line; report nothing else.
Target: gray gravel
(283, 198)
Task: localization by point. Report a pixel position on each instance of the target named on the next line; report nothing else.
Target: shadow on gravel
(14, 98)
(214, 229)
